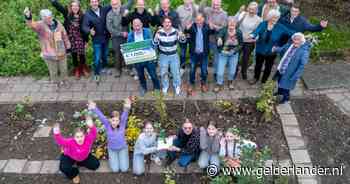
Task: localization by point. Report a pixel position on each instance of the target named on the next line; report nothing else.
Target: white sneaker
(182, 71)
(178, 90)
(165, 91)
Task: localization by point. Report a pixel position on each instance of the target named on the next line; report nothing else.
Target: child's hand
(127, 103)
(91, 105)
(89, 122)
(56, 128)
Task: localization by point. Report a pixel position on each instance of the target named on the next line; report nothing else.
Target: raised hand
(91, 105)
(92, 31)
(220, 42)
(126, 12)
(27, 13)
(242, 8)
(324, 23)
(150, 11)
(56, 128)
(157, 9)
(89, 121)
(127, 103)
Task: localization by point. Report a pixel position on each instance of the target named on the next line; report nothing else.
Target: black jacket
(146, 19)
(172, 14)
(91, 20)
(68, 18)
(192, 39)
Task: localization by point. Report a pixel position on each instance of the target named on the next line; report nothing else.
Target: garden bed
(25, 146)
(326, 131)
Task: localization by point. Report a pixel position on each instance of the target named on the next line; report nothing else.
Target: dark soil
(99, 178)
(246, 119)
(327, 134)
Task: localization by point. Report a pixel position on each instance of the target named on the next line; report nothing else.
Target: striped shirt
(167, 42)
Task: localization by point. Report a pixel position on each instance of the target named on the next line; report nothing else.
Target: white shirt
(138, 36)
(97, 12)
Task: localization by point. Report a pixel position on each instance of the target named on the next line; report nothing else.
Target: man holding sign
(140, 34)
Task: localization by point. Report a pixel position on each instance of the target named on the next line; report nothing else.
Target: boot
(77, 72)
(85, 70)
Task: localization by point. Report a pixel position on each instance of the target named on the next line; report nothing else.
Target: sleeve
(140, 144)
(60, 140)
(109, 24)
(126, 20)
(283, 49)
(129, 38)
(92, 134)
(304, 60)
(102, 118)
(65, 37)
(203, 139)
(60, 8)
(176, 21)
(257, 31)
(124, 118)
(34, 25)
(311, 27)
(85, 26)
(222, 151)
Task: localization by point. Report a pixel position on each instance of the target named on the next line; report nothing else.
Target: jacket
(91, 20)
(190, 145)
(146, 18)
(296, 65)
(147, 34)
(172, 14)
(300, 24)
(223, 35)
(192, 39)
(265, 43)
(114, 20)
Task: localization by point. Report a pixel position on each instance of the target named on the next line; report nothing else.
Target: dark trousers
(247, 50)
(284, 93)
(67, 165)
(183, 54)
(78, 59)
(151, 69)
(201, 60)
(119, 60)
(184, 159)
(261, 60)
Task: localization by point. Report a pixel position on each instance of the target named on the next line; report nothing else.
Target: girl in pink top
(76, 150)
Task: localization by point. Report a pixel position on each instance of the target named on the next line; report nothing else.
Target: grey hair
(301, 35)
(273, 13)
(45, 13)
(231, 19)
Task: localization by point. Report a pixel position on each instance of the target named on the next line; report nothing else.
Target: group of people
(205, 145)
(264, 31)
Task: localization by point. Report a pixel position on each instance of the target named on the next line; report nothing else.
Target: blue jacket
(193, 34)
(296, 66)
(278, 33)
(91, 20)
(300, 24)
(147, 34)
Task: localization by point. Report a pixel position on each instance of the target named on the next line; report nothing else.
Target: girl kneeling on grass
(145, 144)
(118, 152)
(77, 150)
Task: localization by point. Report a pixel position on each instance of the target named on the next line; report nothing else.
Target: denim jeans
(172, 61)
(202, 60)
(205, 159)
(100, 56)
(231, 60)
(184, 159)
(214, 48)
(119, 160)
(151, 69)
(183, 54)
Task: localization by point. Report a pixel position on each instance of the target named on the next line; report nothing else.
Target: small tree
(266, 101)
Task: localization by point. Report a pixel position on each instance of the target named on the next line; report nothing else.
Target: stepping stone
(307, 180)
(284, 109)
(300, 156)
(336, 97)
(291, 131)
(289, 120)
(50, 167)
(104, 167)
(2, 164)
(281, 163)
(32, 167)
(295, 143)
(42, 132)
(15, 166)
